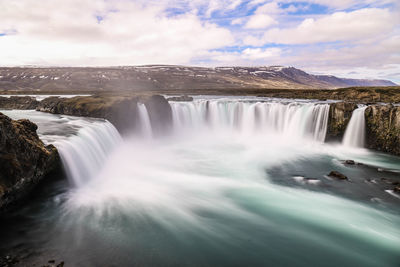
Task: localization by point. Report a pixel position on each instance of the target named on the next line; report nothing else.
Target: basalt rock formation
(18, 102)
(339, 117)
(160, 113)
(383, 128)
(24, 160)
(182, 98)
(121, 111)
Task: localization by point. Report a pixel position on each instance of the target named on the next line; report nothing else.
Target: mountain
(164, 77)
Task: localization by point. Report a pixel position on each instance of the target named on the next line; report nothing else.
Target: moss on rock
(383, 128)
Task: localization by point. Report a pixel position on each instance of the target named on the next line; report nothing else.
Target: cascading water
(293, 120)
(226, 189)
(84, 154)
(354, 135)
(144, 121)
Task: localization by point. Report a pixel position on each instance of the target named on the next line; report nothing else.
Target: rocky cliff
(383, 128)
(339, 117)
(121, 111)
(382, 125)
(24, 160)
(18, 102)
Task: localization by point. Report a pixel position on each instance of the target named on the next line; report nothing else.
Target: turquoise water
(218, 198)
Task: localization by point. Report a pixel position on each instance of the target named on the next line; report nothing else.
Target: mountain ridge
(164, 77)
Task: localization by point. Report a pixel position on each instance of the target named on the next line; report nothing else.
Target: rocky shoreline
(24, 160)
(382, 120)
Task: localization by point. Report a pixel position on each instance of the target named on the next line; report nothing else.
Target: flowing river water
(236, 183)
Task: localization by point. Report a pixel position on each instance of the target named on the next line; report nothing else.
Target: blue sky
(348, 38)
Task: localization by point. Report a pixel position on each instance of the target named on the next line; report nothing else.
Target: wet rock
(397, 189)
(383, 128)
(183, 98)
(337, 175)
(339, 116)
(18, 102)
(349, 162)
(8, 260)
(389, 181)
(160, 113)
(24, 160)
(121, 111)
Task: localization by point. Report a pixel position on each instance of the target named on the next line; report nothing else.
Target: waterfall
(293, 120)
(354, 135)
(144, 120)
(84, 154)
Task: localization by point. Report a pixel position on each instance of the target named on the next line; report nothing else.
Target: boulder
(24, 160)
(337, 175)
(349, 162)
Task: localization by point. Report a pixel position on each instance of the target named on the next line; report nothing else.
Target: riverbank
(382, 117)
(388, 94)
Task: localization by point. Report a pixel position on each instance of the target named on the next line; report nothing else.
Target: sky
(346, 38)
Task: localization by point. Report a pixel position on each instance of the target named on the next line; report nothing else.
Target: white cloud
(269, 8)
(238, 21)
(259, 53)
(235, 4)
(260, 21)
(339, 26)
(132, 34)
(344, 4)
(66, 32)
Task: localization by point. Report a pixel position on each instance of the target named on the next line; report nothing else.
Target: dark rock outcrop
(383, 128)
(160, 114)
(121, 111)
(397, 189)
(18, 102)
(339, 117)
(337, 175)
(24, 160)
(183, 98)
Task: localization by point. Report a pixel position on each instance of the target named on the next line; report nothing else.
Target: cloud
(262, 16)
(129, 33)
(260, 21)
(238, 21)
(258, 53)
(339, 26)
(316, 35)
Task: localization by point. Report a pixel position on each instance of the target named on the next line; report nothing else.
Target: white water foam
(354, 135)
(293, 120)
(84, 154)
